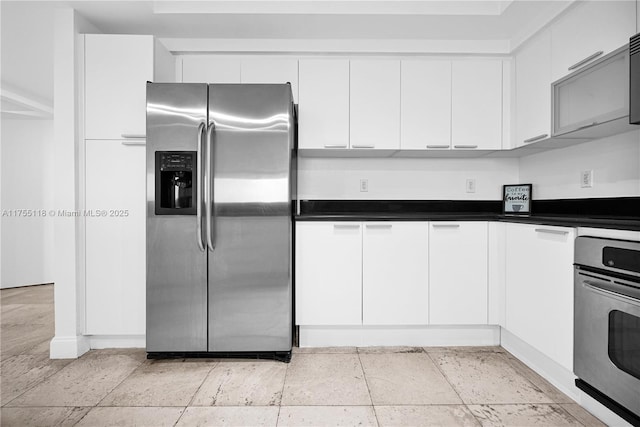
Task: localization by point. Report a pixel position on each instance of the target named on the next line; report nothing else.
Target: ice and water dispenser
(175, 182)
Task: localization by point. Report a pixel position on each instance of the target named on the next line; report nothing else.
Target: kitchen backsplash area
(555, 174)
(404, 179)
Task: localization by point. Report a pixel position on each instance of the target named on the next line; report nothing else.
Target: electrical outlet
(586, 179)
(471, 185)
(364, 185)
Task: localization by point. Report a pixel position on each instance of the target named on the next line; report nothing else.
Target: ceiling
(27, 26)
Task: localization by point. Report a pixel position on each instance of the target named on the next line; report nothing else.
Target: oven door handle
(597, 287)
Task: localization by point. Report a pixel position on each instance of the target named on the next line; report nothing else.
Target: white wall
(27, 242)
(615, 162)
(402, 178)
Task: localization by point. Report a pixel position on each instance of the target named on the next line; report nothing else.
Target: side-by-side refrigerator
(220, 188)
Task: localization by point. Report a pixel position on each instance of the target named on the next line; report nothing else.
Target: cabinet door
(395, 273)
(458, 273)
(323, 112)
(210, 69)
(533, 90)
(117, 68)
(115, 242)
(587, 29)
(328, 273)
(271, 71)
(426, 105)
(539, 288)
(476, 104)
(375, 104)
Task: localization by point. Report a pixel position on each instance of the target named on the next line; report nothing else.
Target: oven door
(607, 336)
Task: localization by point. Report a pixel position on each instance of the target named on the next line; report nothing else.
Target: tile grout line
(284, 383)
(452, 386)
(215, 365)
(366, 382)
(34, 385)
(117, 385)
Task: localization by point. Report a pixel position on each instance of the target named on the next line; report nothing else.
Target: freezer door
(176, 265)
(250, 299)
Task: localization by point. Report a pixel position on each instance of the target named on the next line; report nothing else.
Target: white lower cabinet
(352, 273)
(395, 273)
(328, 273)
(115, 238)
(458, 273)
(539, 288)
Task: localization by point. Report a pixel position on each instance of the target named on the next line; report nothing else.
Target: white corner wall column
(68, 341)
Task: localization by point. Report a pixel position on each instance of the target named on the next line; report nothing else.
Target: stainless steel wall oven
(607, 323)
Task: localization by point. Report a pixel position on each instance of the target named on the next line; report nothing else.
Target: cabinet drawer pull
(587, 126)
(536, 138)
(379, 226)
(133, 136)
(546, 230)
(139, 142)
(335, 146)
(363, 146)
(585, 60)
(346, 225)
(465, 146)
(445, 225)
(438, 146)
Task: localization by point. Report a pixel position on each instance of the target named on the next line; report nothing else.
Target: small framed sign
(516, 199)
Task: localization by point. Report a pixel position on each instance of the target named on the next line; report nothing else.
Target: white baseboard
(559, 376)
(69, 347)
(418, 336)
(116, 341)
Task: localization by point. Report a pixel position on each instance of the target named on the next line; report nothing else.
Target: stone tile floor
(467, 386)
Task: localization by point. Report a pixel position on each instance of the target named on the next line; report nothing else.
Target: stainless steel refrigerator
(220, 190)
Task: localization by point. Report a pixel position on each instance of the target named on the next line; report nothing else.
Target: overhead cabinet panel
(271, 71)
(117, 68)
(426, 105)
(210, 69)
(476, 104)
(323, 113)
(590, 30)
(375, 104)
(533, 90)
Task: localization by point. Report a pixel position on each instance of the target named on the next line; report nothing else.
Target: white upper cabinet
(476, 104)
(268, 70)
(590, 30)
(328, 273)
(375, 104)
(323, 112)
(395, 273)
(210, 69)
(458, 263)
(533, 90)
(117, 68)
(426, 105)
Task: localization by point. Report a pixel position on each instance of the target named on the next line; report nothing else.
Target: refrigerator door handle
(209, 192)
(199, 186)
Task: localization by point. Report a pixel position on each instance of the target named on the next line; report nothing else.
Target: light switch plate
(364, 185)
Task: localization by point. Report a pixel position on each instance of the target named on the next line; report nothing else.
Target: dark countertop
(615, 213)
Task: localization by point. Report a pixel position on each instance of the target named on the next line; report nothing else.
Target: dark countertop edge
(608, 223)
